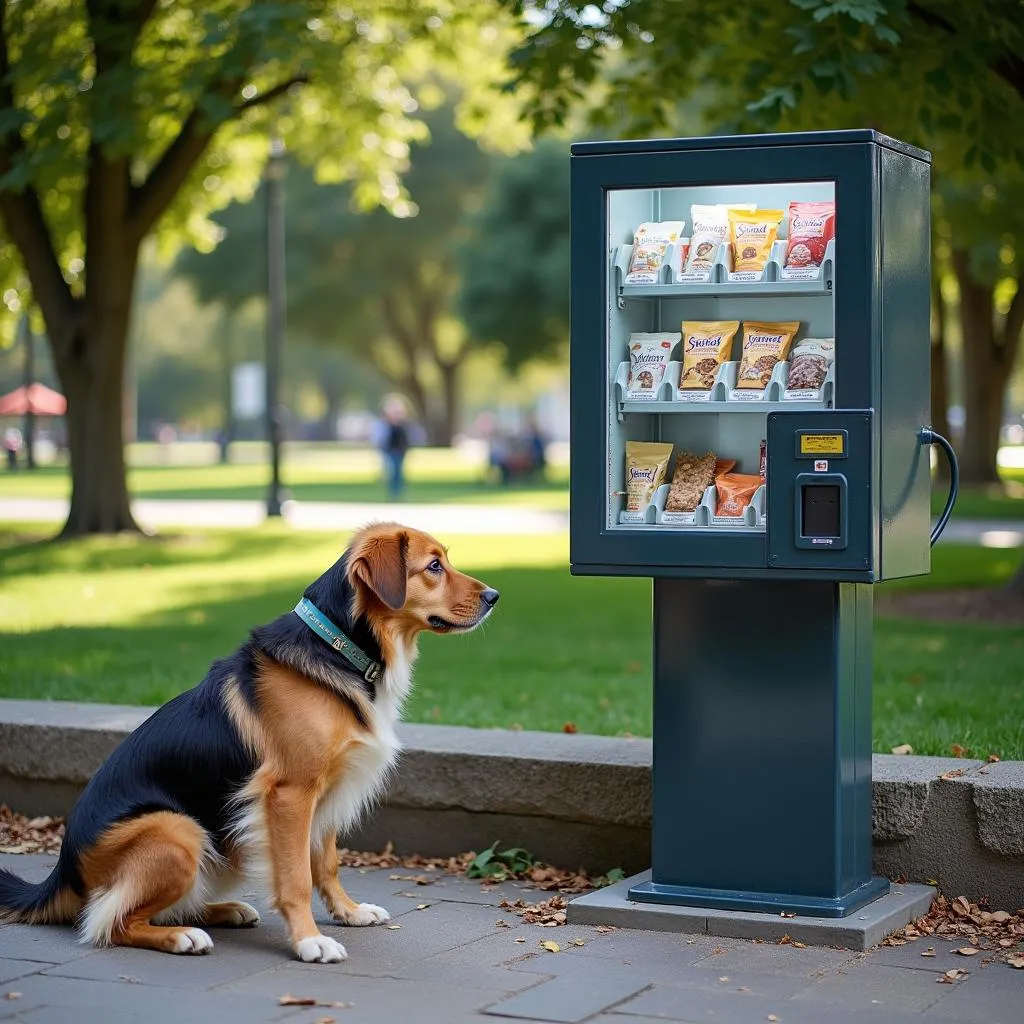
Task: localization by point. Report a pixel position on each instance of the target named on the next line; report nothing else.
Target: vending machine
(750, 409)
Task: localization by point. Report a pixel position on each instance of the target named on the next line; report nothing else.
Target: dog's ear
(381, 563)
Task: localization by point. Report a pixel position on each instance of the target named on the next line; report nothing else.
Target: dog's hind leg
(141, 869)
(229, 915)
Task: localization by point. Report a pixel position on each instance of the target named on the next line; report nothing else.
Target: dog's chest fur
(366, 765)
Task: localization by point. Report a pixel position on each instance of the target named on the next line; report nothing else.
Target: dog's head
(403, 581)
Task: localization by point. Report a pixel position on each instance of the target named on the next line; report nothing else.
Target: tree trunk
(448, 425)
(91, 368)
(985, 377)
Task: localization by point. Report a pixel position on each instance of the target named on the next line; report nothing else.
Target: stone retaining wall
(570, 799)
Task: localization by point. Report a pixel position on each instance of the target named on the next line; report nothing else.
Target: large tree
(944, 74)
(380, 285)
(514, 263)
(121, 118)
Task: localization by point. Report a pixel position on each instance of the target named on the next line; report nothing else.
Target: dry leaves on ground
(987, 931)
(19, 834)
(289, 1000)
(547, 914)
(540, 876)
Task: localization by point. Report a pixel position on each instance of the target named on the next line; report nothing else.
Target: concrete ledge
(570, 799)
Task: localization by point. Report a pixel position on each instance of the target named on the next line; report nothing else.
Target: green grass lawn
(131, 620)
(334, 473)
(341, 474)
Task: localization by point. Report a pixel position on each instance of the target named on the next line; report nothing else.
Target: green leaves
(499, 866)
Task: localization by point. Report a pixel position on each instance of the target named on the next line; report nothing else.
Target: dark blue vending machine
(750, 410)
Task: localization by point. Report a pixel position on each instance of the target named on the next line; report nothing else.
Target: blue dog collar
(329, 632)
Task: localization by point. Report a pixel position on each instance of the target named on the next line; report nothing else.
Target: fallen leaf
(992, 758)
(578, 942)
(999, 916)
(954, 774)
(12, 995)
(787, 913)
(1007, 943)
(903, 748)
(718, 949)
(799, 945)
(957, 751)
(785, 940)
(569, 727)
(551, 947)
(967, 951)
(771, 1016)
(520, 940)
(289, 1000)
(325, 1020)
(930, 951)
(724, 978)
(1016, 961)
(604, 929)
(393, 927)
(961, 905)
(422, 906)
(502, 924)
(953, 976)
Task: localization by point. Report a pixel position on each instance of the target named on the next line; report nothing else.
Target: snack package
(753, 234)
(650, 242)
(706, 345)
(763, 461)
(812, 225)
(809, 365)
(693, 476)
(648, 361)
(734, 492)
(764, 344)
(723, 466)
(646, 465)
(709, 229)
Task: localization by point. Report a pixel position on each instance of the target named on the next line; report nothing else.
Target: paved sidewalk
(313, 515)
(450, 962)
(434, 518)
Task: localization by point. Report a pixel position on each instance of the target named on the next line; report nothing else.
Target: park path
(453, 956)
(157, 513)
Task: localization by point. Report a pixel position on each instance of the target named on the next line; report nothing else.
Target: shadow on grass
(38, 555)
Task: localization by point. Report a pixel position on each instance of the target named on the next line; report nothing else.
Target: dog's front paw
(320, 949)
(364, 914)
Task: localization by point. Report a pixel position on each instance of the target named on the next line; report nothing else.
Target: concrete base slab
(861, 930)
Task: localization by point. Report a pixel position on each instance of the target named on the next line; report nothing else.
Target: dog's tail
(51, 901)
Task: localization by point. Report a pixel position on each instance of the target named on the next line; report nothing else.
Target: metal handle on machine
(930, 437)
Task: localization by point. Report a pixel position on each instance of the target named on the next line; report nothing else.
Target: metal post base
(764, 902)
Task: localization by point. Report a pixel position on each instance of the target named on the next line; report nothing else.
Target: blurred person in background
(392, 438)
(12, 445)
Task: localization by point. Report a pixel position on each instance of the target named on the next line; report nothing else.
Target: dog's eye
(435, 566)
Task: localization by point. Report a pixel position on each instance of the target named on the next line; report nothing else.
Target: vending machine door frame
(853, 165)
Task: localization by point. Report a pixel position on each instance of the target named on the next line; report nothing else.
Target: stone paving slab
(452, 963)
(565, 1001)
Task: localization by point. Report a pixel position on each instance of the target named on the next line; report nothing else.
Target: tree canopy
(121, 118)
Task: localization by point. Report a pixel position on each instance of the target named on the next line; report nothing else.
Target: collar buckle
(372, 673)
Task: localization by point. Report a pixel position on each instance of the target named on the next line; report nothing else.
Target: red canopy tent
(36, 398)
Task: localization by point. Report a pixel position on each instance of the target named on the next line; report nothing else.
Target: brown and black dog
(258, 768)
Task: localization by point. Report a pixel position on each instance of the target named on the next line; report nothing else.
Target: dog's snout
(490, 597)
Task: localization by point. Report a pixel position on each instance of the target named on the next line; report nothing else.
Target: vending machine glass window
(720, 311)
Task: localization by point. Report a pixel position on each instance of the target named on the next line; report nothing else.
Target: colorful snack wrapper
(753, 235)
(764, 344)
(812, 225)
(650, 242)
(646, 465)
(648, 361)
(706, 345)
(710, 228)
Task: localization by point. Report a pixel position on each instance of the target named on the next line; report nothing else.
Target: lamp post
(29, 375)
(274, 182)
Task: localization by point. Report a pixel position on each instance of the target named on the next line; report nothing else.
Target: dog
(258, 768)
